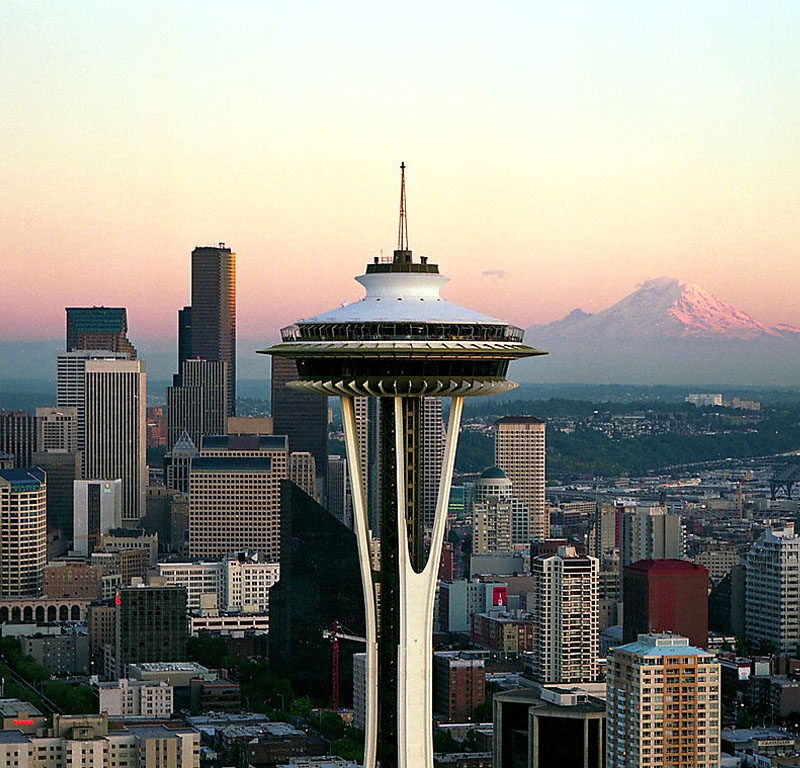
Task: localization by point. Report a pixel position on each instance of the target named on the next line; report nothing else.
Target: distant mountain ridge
(665, 308)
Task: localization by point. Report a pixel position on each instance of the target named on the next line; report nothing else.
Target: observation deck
(402, 339)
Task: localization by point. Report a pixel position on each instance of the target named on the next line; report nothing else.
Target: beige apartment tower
(565, 611)
(663, 705)
(519, 451)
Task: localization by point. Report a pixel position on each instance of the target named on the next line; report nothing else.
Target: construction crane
(334, 634)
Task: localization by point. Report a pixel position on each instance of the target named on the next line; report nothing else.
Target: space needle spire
(402, 229)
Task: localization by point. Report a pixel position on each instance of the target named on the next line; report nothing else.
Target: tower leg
(417, 595)
(363, 543)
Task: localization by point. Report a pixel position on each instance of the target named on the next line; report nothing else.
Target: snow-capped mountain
(664, 308)
(665, 332)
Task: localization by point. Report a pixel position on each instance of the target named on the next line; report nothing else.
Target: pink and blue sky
(558, 153)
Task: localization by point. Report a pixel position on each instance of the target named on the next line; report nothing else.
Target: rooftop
(668, 565)
(28, 479)
(243, 443)
(12, 707)
(520, 420)
(493, 473)
(662, 645)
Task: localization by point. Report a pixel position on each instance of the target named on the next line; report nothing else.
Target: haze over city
(557, 156)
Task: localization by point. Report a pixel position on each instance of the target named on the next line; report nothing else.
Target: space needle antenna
(402, 229)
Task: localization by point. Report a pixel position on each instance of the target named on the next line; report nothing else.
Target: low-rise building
(61, 654)
(135, 698)
(505, 634)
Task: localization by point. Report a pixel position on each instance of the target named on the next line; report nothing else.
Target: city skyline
(601, 148)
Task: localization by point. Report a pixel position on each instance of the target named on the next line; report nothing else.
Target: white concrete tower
(401, 343)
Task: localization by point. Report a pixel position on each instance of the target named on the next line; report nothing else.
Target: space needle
(401, 342)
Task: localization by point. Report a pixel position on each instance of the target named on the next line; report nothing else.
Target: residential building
(115, 438)
(663, 705)
(23, 531)
(564, 606)
(135, 698)
(98, 510)
(665, 596)
(519, 450)
(491, 526)
(234, 495)
(65, 653)
(301, 416)
(213, 311)
(649, 533)
(459, 686)
(772, 591)
(197, 401)
(99, 328)
(508, 635)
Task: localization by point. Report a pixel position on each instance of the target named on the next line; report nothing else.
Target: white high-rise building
(650, 532)
(97, 509)
(519, 450)
(663, 705)
(565, 611)
(772, 591)
(115, 437)
(71, 374)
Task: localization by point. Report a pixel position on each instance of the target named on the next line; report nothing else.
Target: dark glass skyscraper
(213, 310)
(99, 328)
(303, 416)
(184, 335)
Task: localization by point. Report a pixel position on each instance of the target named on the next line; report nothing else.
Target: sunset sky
(558, 153)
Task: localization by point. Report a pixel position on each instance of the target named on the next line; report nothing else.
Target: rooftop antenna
(402, 230)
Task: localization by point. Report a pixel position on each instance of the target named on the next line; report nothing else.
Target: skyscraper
(235, 495)
(197, 402)
(565, 617)
(663, 705)
(400, 343)
(99, 328)
(18, 436)
(184, 335)
(213, 311)
(432, 455)
(649, 533)
(519, 451)
(23, 531)
(301, 416)
(71, 384)
(115, 440)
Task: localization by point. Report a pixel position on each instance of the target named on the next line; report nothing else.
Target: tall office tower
(234, 495)
(23, 531)
(301, 416)
(184, 335)
(432, 455)
(772, 591)
(98, 509)
(565, 611)
(63, 469)
(303, 472)
(197, 402)
(72, 383)
(519, 451)
(603, 532)
(213, 311)
(150, 625)
(368, 427)
(18, 435)
(99, 328)
(339, 503)
(115, 440)
(400, 343)
(649, 533)
(665, 596)
(57, 429)
(491, 526)
(662, 705)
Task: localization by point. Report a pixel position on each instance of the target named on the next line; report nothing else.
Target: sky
(557, 154)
